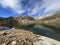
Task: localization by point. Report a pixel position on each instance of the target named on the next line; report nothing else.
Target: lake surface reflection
(45, 32)
(4, 28)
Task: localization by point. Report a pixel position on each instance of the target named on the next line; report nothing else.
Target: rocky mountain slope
(51, 21)
(17, 22)
(24, 37)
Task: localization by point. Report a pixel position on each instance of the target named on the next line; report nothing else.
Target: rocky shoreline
(24, 37)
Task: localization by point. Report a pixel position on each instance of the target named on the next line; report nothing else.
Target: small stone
(13, 43)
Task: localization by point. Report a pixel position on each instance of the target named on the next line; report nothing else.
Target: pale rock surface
(24, 37)
(46, 41)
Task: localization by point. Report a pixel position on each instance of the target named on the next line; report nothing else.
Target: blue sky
(28, 7)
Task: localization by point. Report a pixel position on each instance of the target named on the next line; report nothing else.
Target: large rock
(23, 37)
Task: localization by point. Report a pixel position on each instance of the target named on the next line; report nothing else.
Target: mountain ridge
(52, 22)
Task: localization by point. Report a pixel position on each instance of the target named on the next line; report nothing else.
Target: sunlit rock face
(24, 22)
(18, 22)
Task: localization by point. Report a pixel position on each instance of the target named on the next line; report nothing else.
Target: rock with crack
(23, 37)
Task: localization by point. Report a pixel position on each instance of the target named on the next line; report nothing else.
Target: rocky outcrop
(23, 37)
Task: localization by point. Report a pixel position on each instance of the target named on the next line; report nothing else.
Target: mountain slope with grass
(51, 21)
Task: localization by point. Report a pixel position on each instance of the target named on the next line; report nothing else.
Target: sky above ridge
(28, 7)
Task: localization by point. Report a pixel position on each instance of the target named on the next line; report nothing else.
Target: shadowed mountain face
(52, 22)
(6, 22)
(17, 22)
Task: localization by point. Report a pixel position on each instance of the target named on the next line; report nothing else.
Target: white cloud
(33, 6)
(51, 5)
(13, 5)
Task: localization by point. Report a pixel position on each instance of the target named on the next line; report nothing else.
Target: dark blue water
(5, 28)
(45, 32)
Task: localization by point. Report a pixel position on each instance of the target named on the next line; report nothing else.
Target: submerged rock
(24, 37)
